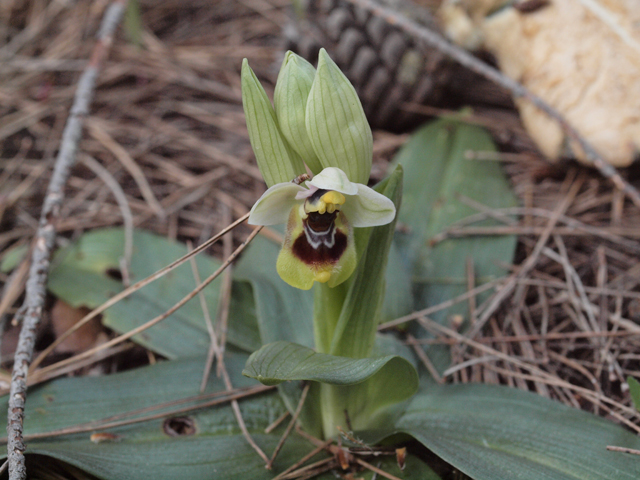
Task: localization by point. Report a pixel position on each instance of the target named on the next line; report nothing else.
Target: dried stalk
(215, 349)
(127, 217)
(31, 310)
(285, 435)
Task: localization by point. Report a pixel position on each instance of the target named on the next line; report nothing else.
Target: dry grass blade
(441, 306)
(304, 459)
(14, 287)
(285, 435)
(623, 450)
(121, 198)
(520, 338)
(310, 471)
(38, 377)
(215, 347)
(411, 340)
(377, 470)
(225, 289)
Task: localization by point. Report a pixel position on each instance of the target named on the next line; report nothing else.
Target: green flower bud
(290, 100)
(277, 161)
(336, 123)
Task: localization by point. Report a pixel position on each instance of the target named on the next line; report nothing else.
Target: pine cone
(387, 67)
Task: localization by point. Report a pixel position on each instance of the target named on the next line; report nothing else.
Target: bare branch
(31, 310)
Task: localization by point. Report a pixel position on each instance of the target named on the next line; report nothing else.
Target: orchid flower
(319, 244)
(317, 121)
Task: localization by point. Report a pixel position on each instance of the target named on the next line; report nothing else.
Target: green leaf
(217, 448)
(283, 361)
(290, 392)
(356, 329)
(634, 391)
(365, 387)
(12, 257)
(277, 161)
(438, 175)
(499, 433)
(283, 312)
(398, 300)
(85, 274)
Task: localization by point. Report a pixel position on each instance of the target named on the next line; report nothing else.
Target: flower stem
(327, 306)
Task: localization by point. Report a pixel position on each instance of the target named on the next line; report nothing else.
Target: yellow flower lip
(322, 277)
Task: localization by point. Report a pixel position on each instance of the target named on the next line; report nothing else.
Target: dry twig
(215, 348)
(285, 435)
(31, 311)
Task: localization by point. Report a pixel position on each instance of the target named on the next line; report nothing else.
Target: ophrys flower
(320, 217)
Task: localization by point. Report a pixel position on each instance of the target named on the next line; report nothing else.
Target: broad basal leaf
(87, 274)
(214, 448)
(441, 184)
(398, 299)
(500, 433)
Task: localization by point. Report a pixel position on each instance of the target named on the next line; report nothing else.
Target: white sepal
(368, 208)
(274, 206)
(332, 178)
